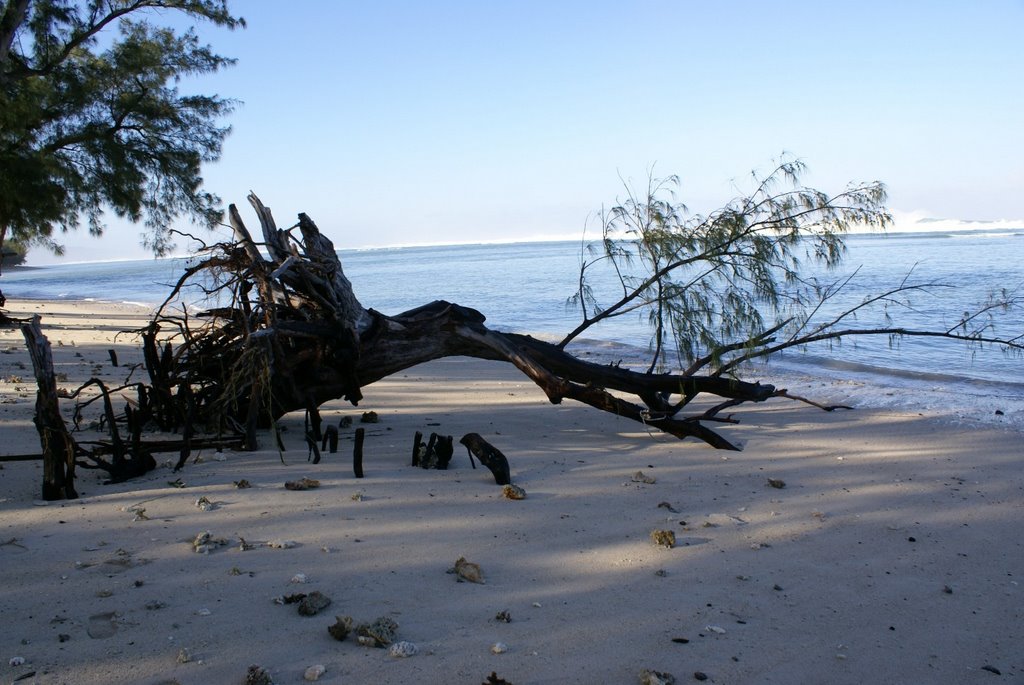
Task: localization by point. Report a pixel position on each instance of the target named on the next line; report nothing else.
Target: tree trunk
(296, 336)
(59, 447)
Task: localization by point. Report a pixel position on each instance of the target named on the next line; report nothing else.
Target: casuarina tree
(92, 118)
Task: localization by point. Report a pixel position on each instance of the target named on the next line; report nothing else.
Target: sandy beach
(845, 548)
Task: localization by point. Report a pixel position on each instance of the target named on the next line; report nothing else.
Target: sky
(397, 123)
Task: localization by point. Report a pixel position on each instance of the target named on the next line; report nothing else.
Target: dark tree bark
(59, 449)
(295, 336)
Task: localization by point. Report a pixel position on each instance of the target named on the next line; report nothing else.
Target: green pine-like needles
(717, 289)
(91, 118)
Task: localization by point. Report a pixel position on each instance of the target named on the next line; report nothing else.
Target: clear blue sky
(436, 122)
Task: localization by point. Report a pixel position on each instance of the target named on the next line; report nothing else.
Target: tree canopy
(92, 119)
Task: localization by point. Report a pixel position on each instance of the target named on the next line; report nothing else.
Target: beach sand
(893, 553)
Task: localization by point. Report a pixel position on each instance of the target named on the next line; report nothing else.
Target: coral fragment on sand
(656, 678)
(341, 627)
(257, 675)
(641, 477)
(380, 633)
(313, 603)
(204, 542)
(403, 649)
(663, 538)
(467, 570)
(511, 491)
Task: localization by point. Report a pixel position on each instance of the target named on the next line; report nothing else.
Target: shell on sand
(467, 570)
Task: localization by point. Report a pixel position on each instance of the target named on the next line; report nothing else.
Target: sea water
(524, 288)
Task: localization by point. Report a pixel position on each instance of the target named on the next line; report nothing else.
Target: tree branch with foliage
(89, 126)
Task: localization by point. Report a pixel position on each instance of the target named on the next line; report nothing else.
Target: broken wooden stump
(59, 448)
(489, 455)
(436, 454)
(357, 453)
(417, 444)
(330, 440)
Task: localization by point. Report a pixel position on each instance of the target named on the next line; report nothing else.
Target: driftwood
(489, 455)
(436, 453)
(289, 334)
(59, 448)
(357, 453)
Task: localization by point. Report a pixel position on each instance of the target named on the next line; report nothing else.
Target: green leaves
(714, 283)
(85, 129)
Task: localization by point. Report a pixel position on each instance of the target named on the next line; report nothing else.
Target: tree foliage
(724, 282)
(752, 279)
(91, 117)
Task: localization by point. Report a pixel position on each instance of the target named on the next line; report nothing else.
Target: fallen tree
(284, 331)
(288, 332)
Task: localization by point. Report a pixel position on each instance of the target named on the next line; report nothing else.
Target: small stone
(947, 590)
(991, 669)
(204, 542)
(403, 649)
(499, 648)
(777, 483)
(16, 661)
(314, 672)
(341, 627)
(716, 629)
(663, 538)
(641, 477)
(203, 612)
(313, 603)
(282, 544)
(204, 504)
(503, 617)
(184, 656)
(257, 675)
(700, 675)
(242, 484)
(511, 491)
(369, 417)
(648, 677)
(467, 570)
(299, 578)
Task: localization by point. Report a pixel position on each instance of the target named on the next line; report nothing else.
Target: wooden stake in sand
(357, 454)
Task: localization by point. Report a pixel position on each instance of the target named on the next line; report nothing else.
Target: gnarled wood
(295, 336)
(58, 446)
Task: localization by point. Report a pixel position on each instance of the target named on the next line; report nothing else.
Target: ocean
(524, 287)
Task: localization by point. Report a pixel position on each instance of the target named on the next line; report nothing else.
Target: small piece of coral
(663, 538)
